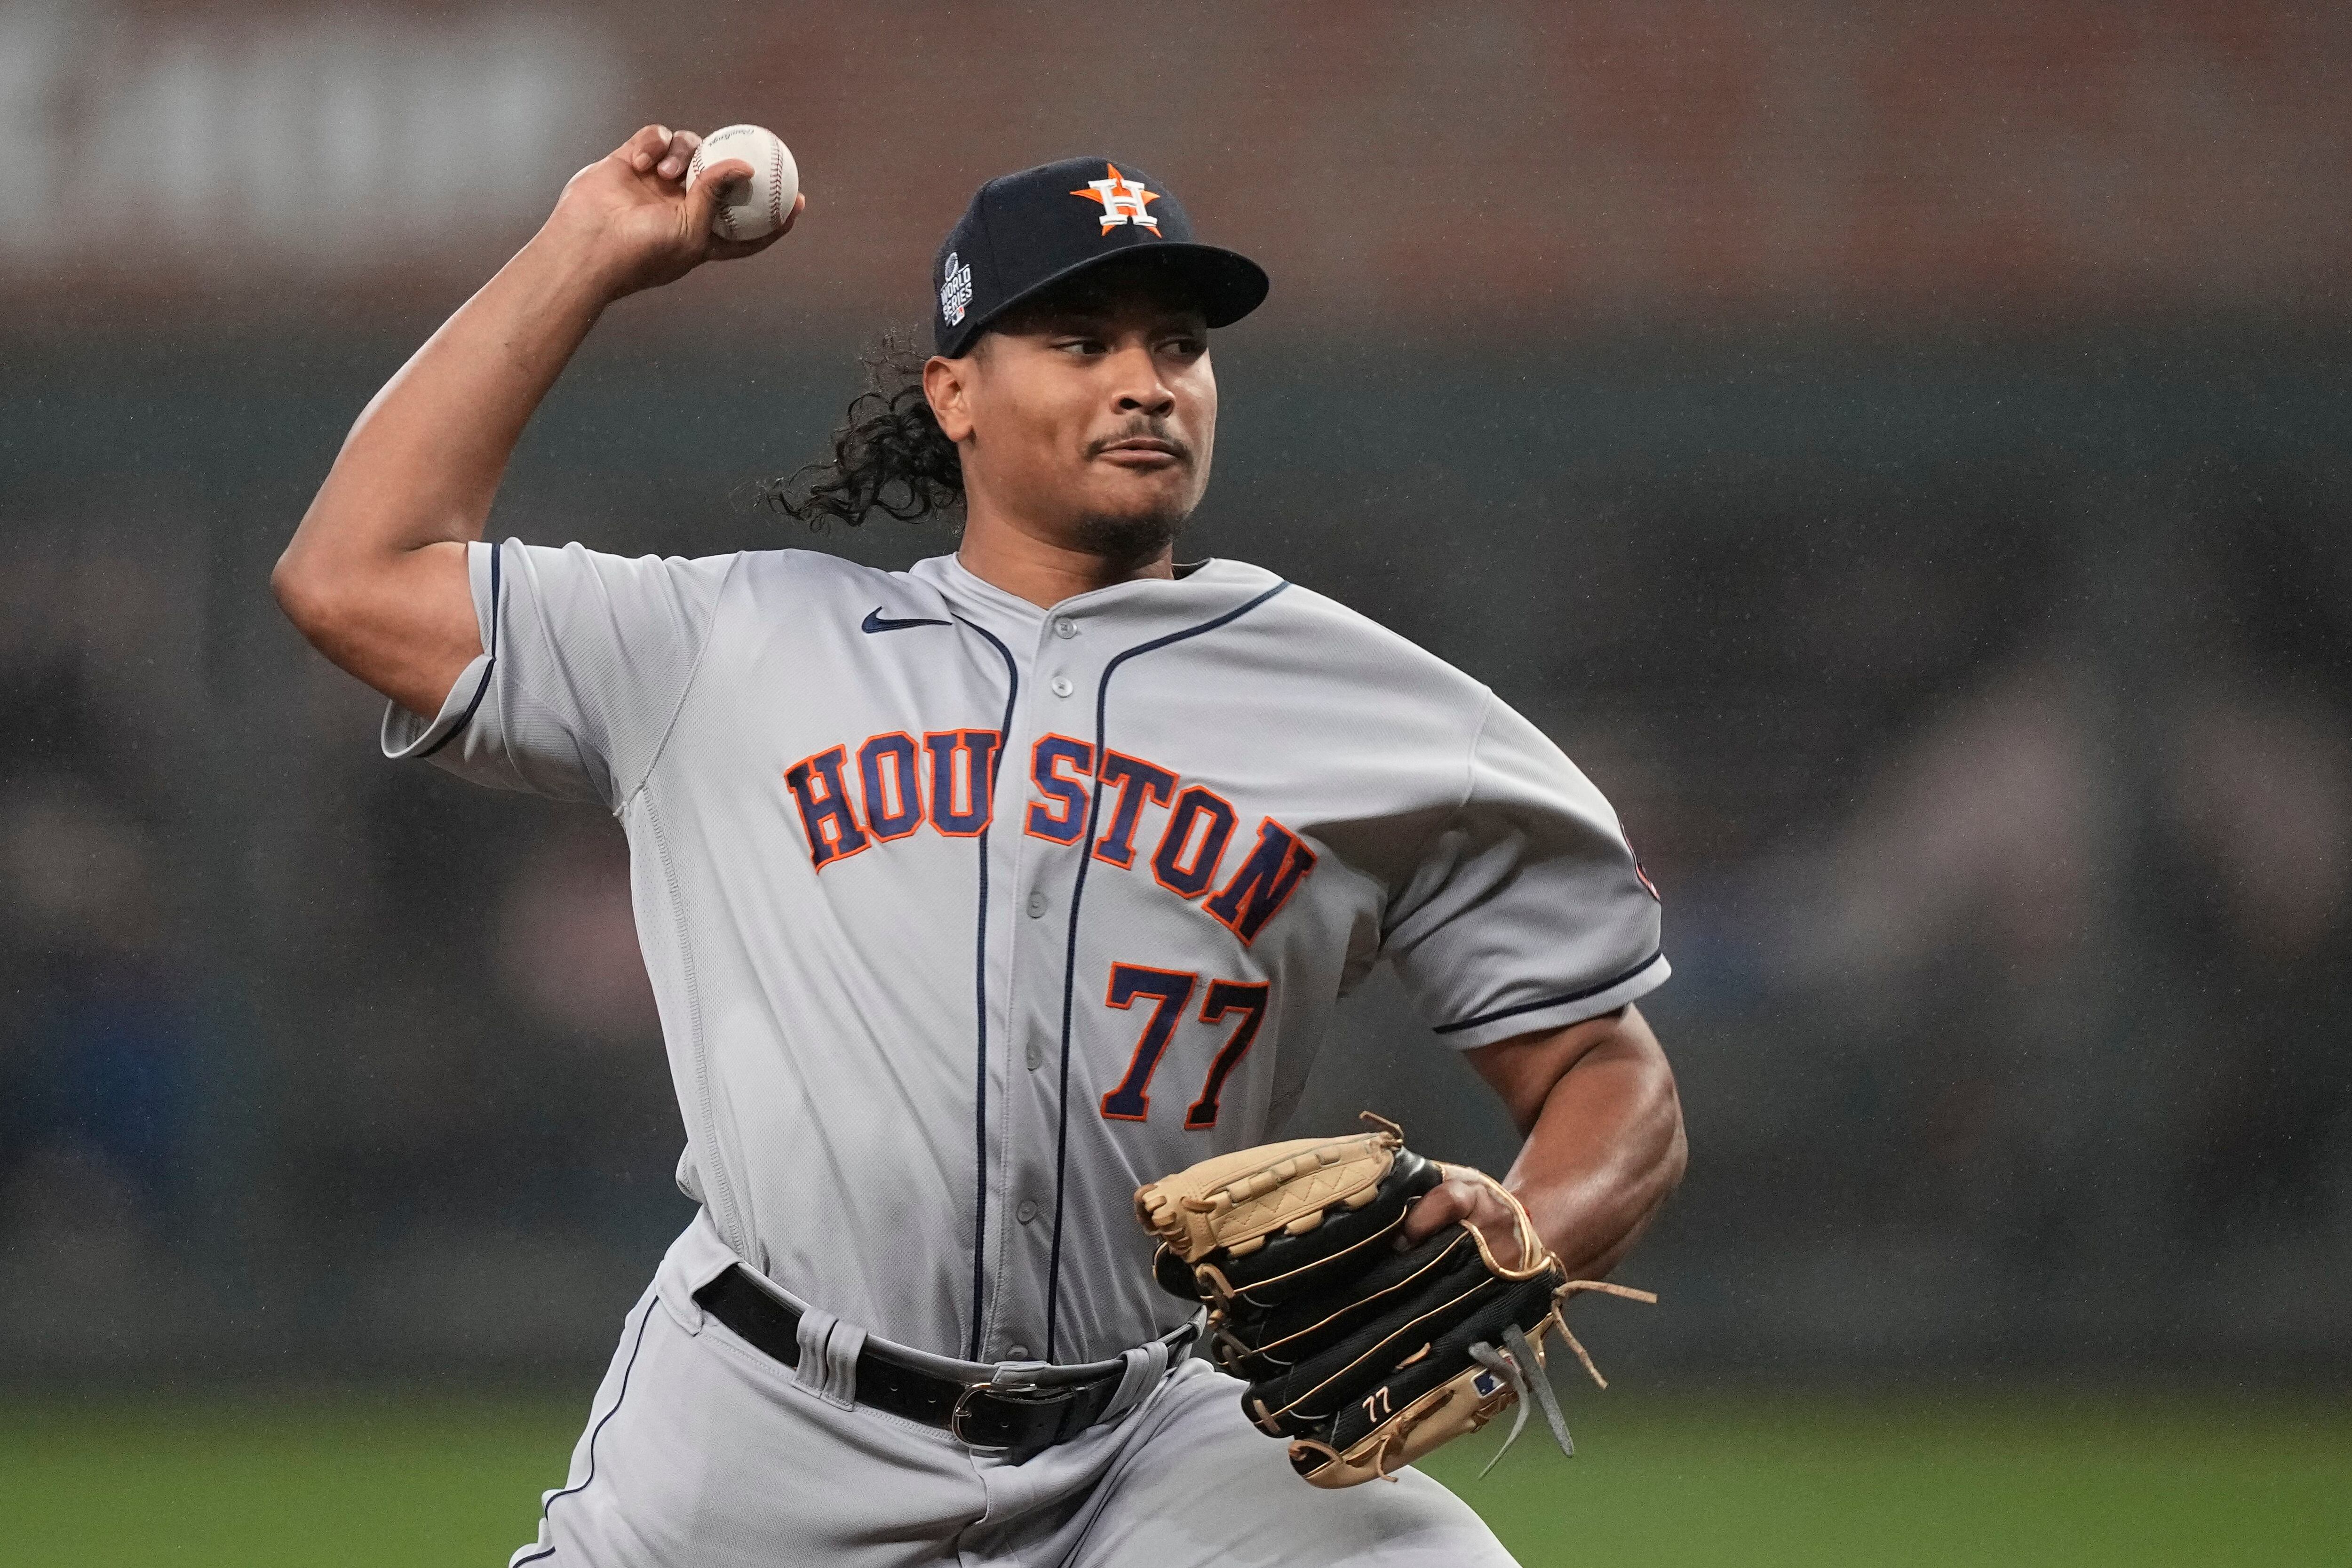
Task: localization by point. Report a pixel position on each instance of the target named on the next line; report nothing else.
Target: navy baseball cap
(1024, 233)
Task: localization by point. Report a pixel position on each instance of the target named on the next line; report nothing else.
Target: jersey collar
(1146, 607)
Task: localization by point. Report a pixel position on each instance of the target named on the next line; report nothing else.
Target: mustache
(1150, 429)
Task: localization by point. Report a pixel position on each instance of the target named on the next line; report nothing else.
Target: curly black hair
(888, 454)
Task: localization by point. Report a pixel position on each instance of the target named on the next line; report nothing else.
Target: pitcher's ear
(947, 385)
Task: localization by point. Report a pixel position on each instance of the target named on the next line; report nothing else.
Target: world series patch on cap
(1025, 233)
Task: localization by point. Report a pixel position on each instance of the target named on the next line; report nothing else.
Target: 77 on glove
(1365, 1356)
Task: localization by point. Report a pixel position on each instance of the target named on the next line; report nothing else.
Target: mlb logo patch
(1485, 1383)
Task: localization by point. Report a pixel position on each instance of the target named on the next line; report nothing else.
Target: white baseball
(749, 208)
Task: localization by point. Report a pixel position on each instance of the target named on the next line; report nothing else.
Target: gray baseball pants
(703, 1452)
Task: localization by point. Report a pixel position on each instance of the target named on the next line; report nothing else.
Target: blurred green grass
(2055, 1481)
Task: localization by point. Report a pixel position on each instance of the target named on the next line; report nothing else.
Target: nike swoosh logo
(877, 622)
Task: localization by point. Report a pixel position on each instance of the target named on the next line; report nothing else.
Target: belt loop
(1146, 1365)
(829, 1349)
(842, 1349)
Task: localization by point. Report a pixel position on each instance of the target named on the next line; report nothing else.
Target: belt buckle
(1012, 1394)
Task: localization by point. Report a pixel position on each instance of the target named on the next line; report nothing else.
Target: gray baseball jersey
(966, 917)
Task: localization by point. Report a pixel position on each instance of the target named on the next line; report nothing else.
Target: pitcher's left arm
(1603, 1127)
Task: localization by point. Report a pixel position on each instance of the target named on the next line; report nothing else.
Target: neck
(1002, 553)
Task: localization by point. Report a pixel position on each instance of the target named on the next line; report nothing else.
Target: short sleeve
(586, 657)
(1528, 912)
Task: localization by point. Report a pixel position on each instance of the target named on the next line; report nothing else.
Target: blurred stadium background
(1902, 451)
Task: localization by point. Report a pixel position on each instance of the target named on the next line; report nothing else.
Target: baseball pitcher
(996, 911)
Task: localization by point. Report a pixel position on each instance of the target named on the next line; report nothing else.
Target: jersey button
(1018, 1353)
(1027, 1211)
(1061, 684)
(1036, 1055)
(1036, 905)
(1065, 628)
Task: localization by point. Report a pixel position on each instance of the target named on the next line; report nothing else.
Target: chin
(1134, 535)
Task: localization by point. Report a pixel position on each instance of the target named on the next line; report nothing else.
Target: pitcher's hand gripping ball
(749, 208)
(1364, 1356)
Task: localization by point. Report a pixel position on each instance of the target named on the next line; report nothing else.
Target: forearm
(1605, 1150)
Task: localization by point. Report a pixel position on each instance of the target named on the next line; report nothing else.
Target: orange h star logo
(1123, 201)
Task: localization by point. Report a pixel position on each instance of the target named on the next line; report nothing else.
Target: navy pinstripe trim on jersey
(479, 692)
(1501, 1013)
(1070, 954)
(643, 1324)
(979, 987)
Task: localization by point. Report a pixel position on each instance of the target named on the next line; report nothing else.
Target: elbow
(1664, 1145)
(302, 593)
(1676, 1162)
(1673, 1156)
(286, 584)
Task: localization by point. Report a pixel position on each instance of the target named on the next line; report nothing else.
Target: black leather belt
(1018, 1421)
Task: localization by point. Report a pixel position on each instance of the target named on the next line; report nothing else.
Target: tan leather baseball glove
(1365, 1357)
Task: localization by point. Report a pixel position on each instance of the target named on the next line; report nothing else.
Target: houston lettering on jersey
(894, 785)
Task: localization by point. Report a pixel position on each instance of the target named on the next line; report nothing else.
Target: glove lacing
(1520, 1364)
